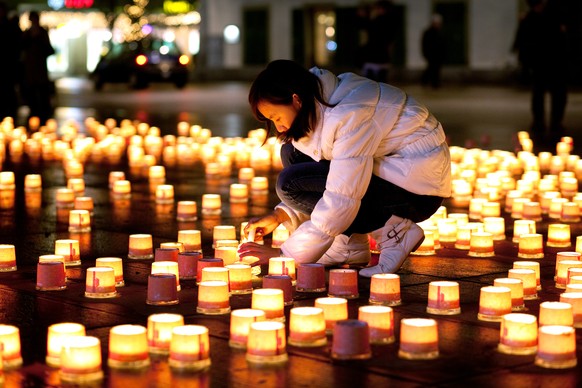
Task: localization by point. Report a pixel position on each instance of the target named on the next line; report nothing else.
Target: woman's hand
(263, 253)
(260, 227)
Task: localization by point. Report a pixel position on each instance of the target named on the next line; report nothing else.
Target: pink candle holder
(189, 348)
(240, 323)
(207, 262)
(385, 289)
(188, 264)
(50, 276)
(418, 339)
(518, 334)
(166, 254)
(281, 282)
(162, 289)
(311, 278)
(343, 283)
(351, 340)
(169, 267)
(380, 321)
(307, 327)
(443, 298)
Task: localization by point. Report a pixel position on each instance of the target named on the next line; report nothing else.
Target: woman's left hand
(262, 252)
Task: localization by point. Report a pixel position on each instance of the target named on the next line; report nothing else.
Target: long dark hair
(277, 84)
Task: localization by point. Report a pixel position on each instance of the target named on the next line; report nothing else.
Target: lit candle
(239, 193)
(189, 348)
(240, 278)
(556, 313)
(186, 211)
(84, 203)
(385, 289)
(50, 276)
(307, 327)
(56, 335)
(246, 174)
(215, 273)
(162, 289)
(562, 271)
(228, 254)
(7, 180)
(69, 249)
(283, 266)
(380, 321)
(188, 264)
(351, 340)
(115, 176)
(516, 287)
(77, 185)
(159, 331)
(282, 282)
(530, 265)
(570, 212)
(128, 347)
(518, 334)
(213, 298)
(100, 283)
(117, 264)
(531, 246)
(311, 278)
(81, 360)
(64, 198)
(565, 255)
(575, 299)
(343, 283)
(207, 262)
(532, 211)
(464, 233)
(266, 343)
(10, 339)
(140, 246)
(462, 192)
(121, 189)
(447, 230)
(259, 185)
(494, 302)
(271, 301)
(495, 226)
(240, 322)
(475, 207)
(168, 267)
(443, 298)
(556, 347)
(428, 246)
(79, 221)
(490, 209)
(223, 232)
(157, 174)
(32, 182)
(529, 279)
(211, 204)
(481, 245)
(7, 258)
(165, 194)
(418, 339)
(191, 239)
(334, 309)
(523, 227)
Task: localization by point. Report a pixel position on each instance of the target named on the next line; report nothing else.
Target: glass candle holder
(516, 287)
(555, 210)
(283, 266)
(351, 340)
(215, 273)
(570, 212)
(211, 204)
(11, 353)
(240, 278)
(69, 249)
(64, 198)
(447, 230)
(494, 302)
(121, 189)
(172, 245)
(239, 193)
(523, 227)
(186, 211)
(128, 347)
(81, 360)
(213, 298)
(310, 278)
(50, 276)
(79, 221)
(385, 289)
(418, 339)
(245, 174)
(281, 282)
(531, 246)
(228, 254)
(334, 309)
(207, 262)
(575, 299)
(159, 331)
(7, 258)
(531, 265)
(167, 267)
(115, 176)
(529, 279)
(188, 264)
(380, 321)
(343, 283)
(100, 283)
(271, 301)
(240, 323)
(84, 203)
(280, 235)
(481, 245)
(189, 348)
(556, 313)
(428, 246)
(443, 298)
(162, 289)
(518, 334)
(140, 246)
(164, 194)
(117, 264)
(556, 347)
(56, 334)
(32, 182)
(223, 232)
(266, 344)
(259, 185)
(307, 327)
(166, 254)
(192, 240)
(558, 235)
(562, 271)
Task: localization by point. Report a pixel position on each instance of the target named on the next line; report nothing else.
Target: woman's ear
(296, 101)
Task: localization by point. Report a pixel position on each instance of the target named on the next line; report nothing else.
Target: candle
(562, 271)
(164, 194)
(556, 313)
(229, 255)
(530, 246)
(128, 347)
(282, 282)
(100, 283)
(259, 185)
(570, 212)
(523, 227)
(428, 245)
(240, 323)
(115, 176)
(271, 301)
(343, 283)
(50, 276)
(84, 203)
(166, 254)
(518, 334)
(32, 182)
(207, 262)
(188, 264)
(69, 249)
(529, 279)
(7, 180)
(481, 245)
(10, 339)
(246, 174)
(307, 327)
(443, 298)
(532, 211)
(418, 339)
(280, 235)
(159, 331)
(117, 264)
(490, 209)
(565, 255)
(77, 185)
(380, 320)
(530, 265)
(215, 273)
(555, 210)
(283, 266)
(157, 174)
(168, 267)
(351, 340)
(121, 189)
(56, 335)
(464, 233)
(213, 298)
(334, 309)
(162, 289)
(558, 235)
(81, 360)
(385, 289)
(516, 287)
(240, 278)
(447, 230)
(65, 198)
(556, 347)
(211, 204)
(575, 299)
(494, 302)
(7, 258)
(140, 246)
(310, 278)
(191, 239)
(186, 211)
(495, 226)
(239, 193)
(266, 343)
(475, 207)
(189, 348)
(223, 232)
(79, 221)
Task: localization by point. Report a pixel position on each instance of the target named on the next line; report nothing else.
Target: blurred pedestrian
(541, 44)
(37, 87)
(380, 41)
(10, 40)
(433, 51)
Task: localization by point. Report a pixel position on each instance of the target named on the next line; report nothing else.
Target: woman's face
(281, 115)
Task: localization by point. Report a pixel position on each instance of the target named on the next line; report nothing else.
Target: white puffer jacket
(372, 129)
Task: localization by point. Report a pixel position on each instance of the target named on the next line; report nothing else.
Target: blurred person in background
(10, 36)
(380, 36)
(433, 51)
(37, 87)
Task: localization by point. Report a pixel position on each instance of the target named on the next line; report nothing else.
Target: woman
(359, 157)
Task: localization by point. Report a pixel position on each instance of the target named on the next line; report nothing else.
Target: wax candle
(213, 298)
(117, 264)
(189, 348)
(307, 327)
(271, 301)
(81, 360)
(556, 347)
(518, 334)
(494, 302)
(516, 287)
(418, 339)
(334, 309)
(186, 211)
(100, 283)
(240, 323)
(385, 289)
(56, 335)
(380, 321)
(443, 298)
(530, 246)
(240, 278)
(140, 246)
(11, 353)
(556, 313)
(128, 347)
(267, 343)
(7, 258)
(159, 331)
(191, 238)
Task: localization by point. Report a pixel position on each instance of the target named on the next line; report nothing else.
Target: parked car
(140, 62)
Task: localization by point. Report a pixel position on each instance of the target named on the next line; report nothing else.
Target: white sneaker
(347, 250)
(395, 240)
